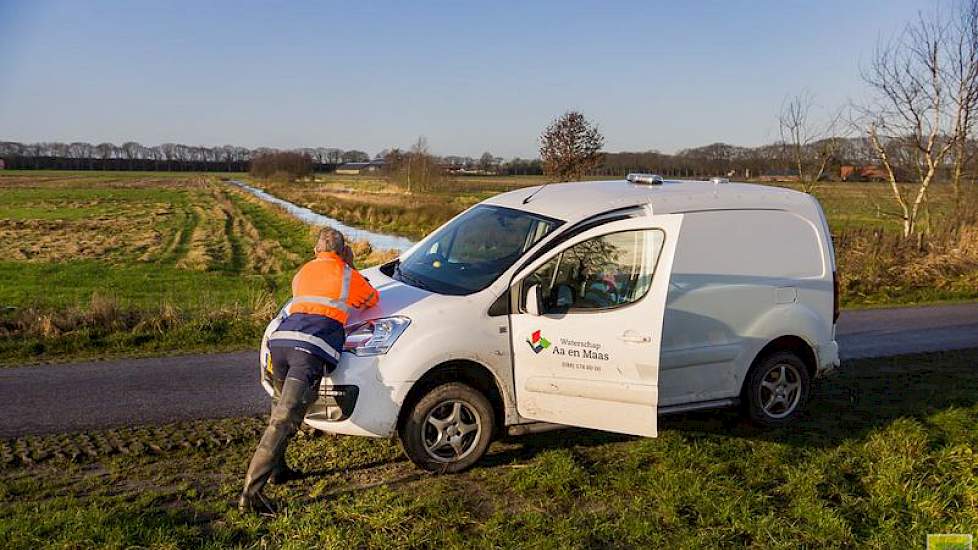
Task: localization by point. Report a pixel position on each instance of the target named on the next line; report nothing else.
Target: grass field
(372, 202)
(98, 264)
(884, 456)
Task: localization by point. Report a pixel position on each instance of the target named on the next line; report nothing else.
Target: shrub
(880, 266)
(284, 165)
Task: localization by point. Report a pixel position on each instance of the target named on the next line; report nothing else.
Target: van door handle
(632, 336)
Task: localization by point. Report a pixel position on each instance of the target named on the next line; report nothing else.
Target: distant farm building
(869, 172)
(359, 168)
(776, 176)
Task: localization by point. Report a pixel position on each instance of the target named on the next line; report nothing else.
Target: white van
(594, 304)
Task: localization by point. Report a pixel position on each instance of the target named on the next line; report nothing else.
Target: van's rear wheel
(777, 389)
(449, 428)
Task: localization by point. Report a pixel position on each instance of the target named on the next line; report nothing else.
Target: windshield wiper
(410, 279)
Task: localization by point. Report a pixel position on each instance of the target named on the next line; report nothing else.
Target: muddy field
(99, 264)
(196, 223)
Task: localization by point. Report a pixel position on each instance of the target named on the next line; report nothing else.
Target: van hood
(396, 298)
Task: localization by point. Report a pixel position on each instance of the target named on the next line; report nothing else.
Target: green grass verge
(147, 285)
(884, 455)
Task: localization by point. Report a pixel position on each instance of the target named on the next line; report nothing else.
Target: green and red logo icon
(537, 342)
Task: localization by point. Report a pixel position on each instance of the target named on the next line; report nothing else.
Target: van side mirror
(534, 300)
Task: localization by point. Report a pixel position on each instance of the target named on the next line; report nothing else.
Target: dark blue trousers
(299, 364)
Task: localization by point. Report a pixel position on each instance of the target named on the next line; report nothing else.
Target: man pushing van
(305, 346)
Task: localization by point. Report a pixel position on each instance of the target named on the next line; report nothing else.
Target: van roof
(578, 200)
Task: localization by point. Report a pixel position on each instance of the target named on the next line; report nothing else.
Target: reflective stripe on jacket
(327, 286)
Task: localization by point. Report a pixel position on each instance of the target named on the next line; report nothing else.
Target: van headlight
(375, 337)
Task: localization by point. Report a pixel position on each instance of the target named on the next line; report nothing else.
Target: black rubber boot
(282, 472)
(256, 504)
(286, 417)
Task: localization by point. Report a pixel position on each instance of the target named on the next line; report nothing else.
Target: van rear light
(835, 296)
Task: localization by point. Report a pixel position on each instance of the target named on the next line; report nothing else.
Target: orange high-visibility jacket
(329, 287)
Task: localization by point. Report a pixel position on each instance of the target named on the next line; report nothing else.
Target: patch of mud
(87, 447)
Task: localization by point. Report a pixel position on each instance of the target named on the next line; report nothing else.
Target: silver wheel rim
(451, 431)
(780, 390)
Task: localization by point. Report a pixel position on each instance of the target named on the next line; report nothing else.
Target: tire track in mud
(146, 440)
(238, 259)
(180, 244)
(194, 446)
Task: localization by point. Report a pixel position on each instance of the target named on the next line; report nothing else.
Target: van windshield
(469, 253)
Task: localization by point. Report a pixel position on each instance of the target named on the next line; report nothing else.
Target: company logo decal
(537, 342)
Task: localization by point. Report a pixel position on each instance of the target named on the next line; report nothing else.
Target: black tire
(448, 455)
(761, 388)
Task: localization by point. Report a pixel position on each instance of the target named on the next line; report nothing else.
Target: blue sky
(469, 76)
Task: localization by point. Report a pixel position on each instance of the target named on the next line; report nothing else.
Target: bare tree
(916, 111)
(417, 170)
(963, 77)
(154, 154)
(106, 150)
(309, 152)
(809, 145)
(334, 155)
(132, 151)
(487, 162)
(284, 165)
(12, 148)
(354, 156)
(423, 172)
(394, 160)
(570, 147)
(226, 154)
(81, 150)
(170, 154)
(322, 155)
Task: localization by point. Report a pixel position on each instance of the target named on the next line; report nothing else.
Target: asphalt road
(82, 396)
(897, 331)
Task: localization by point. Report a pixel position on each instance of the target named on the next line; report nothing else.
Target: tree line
(132, 155)
(708, 160)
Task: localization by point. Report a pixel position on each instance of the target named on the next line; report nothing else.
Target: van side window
(746, 246)
(605, 272)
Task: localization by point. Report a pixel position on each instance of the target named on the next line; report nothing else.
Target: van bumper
(354, 399)
(828, 357)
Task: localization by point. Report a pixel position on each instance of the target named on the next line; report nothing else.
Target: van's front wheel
(449, 428)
